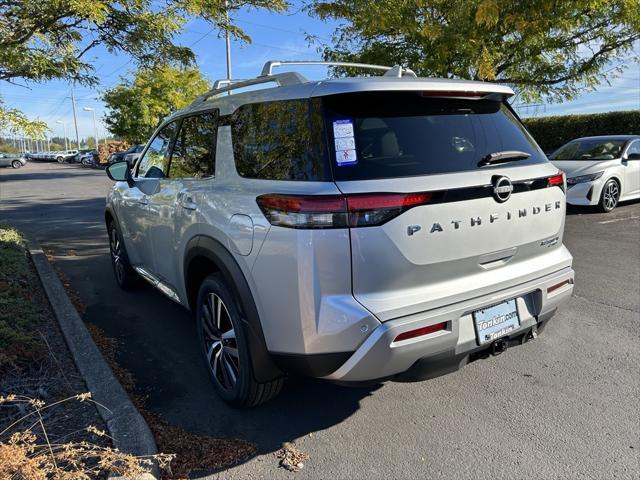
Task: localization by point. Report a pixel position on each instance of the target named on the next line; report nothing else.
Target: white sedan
(600, 171)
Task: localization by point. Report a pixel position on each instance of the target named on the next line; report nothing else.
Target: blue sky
(275, 36)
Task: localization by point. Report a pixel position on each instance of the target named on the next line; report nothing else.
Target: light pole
(64, 126)
(75, 120)
(95, 129)
(227, 39)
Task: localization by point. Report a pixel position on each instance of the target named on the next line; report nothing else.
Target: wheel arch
(205, 255)
(108, 216)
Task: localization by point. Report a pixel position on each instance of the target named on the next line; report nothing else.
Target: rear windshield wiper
(502, 157)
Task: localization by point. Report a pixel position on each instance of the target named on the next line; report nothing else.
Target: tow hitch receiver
(499, 346)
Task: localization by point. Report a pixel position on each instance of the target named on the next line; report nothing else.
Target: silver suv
(351, 229)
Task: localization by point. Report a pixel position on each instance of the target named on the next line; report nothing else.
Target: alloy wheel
(116, 255)
(611, 193)
(220, 342)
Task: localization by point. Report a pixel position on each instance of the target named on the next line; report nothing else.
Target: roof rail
(226, 85)
(396, 71)
(223, 82)
(293, 78)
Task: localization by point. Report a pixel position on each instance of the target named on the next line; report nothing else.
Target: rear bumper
(379, 357)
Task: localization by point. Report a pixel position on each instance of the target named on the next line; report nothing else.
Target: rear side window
(279, 141)
(195, 148)
(401, 134)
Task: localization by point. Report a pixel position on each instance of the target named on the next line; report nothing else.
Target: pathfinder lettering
(495, 217)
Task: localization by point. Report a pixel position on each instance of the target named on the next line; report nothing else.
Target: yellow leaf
(487, 13)
(486, 70)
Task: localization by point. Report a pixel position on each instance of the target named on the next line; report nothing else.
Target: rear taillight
(322, 211)
(556, 180)
(338, 211)
(368, 210)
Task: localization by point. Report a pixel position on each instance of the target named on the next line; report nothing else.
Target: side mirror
(119, 172)
(633, 156)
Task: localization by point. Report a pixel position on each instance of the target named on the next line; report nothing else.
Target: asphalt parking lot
(563, 406)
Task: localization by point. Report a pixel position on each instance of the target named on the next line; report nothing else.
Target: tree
(6, 146)
(17, 123)
(47, 39)
(136, 107)
(543, 48)
(50, 39)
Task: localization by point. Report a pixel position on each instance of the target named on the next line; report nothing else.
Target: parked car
(12, 160)
(40, 156)
(88, 158)
(120, 156)
(66, 156)
(601, 171)
(352, 229)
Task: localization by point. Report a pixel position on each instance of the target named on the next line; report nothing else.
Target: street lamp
(95, 129)
(64, 126)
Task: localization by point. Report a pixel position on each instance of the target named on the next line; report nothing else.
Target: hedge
(553, 132)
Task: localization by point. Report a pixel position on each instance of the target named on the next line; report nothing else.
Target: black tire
(610, 196)
(225, 350)
(16, 164)
(126, 277)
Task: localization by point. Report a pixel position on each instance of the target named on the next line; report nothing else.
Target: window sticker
(345, 142)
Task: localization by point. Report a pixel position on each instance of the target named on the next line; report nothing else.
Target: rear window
(401, 134)
(279, 141)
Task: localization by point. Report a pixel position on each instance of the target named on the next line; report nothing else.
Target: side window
(155, 162)
(279, 141)
(634, 148)
(195, 148)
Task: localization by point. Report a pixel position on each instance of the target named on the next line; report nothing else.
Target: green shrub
(553, 132)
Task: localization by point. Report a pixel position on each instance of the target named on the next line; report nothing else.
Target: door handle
(143, 201)
(189, 206)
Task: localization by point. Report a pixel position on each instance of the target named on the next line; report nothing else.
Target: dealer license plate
(497, 321)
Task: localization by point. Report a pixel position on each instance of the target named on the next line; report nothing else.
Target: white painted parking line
(618, 219)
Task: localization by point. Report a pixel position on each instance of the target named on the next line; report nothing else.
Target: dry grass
(24, 455)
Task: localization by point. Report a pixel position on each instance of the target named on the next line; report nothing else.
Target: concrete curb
(129, 431)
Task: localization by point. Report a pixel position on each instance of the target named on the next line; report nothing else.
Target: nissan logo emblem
(502, 188)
